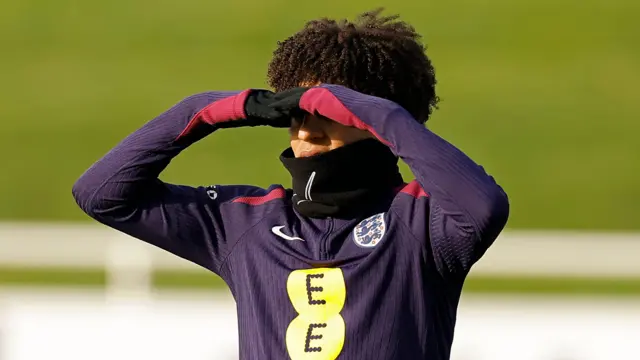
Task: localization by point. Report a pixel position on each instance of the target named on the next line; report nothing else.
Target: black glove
(288, 101)
(259, 112)
(266, 108)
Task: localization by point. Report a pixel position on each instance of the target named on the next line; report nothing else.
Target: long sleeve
(466, 209)
(122, 190)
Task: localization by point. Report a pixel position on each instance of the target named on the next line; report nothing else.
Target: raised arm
(122, 190)
(466, 208)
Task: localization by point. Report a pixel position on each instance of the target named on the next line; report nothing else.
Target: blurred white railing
(129, 262)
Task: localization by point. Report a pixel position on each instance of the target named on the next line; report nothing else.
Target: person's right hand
(252, 107)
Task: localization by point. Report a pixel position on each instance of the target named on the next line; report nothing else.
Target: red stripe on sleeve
(227, 109)
(414, 189)
(323, 102)
(278, 193)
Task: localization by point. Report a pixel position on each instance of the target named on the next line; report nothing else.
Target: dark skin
(315, 135)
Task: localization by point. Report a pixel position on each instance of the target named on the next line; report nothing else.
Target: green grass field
(542, 93)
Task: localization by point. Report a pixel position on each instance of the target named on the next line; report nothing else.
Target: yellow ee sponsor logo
(318, 332)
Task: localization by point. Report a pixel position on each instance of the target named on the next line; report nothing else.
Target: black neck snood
(347, 182)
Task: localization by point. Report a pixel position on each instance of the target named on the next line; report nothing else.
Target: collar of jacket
(352, 181)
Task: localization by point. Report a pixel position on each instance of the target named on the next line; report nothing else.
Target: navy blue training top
(382, 287)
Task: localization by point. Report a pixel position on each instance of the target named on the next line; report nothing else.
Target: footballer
(351, 261)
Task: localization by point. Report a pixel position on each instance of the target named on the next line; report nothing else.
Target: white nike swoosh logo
(278, 231)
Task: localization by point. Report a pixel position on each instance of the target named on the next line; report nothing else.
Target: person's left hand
(288, 102)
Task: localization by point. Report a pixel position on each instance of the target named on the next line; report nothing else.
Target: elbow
(93, 197)
(84, 193)
(105, 203)
(494, 215)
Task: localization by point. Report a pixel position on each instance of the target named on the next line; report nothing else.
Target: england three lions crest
(369, 232)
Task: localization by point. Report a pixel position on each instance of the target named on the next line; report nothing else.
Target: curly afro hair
(375, 55)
